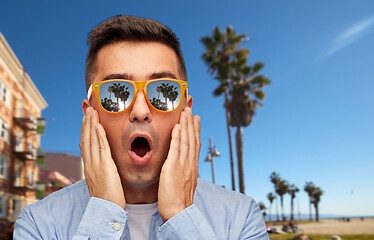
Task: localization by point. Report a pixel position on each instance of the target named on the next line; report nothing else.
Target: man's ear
(85, 105)
(189, 101)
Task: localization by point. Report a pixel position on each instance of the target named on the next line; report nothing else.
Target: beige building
(69, 166)
(59, 170)
(20, 124)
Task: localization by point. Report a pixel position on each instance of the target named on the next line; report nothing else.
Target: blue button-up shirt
(71, 213)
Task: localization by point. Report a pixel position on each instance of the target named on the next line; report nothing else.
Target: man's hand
(180, 171)
(101, 173)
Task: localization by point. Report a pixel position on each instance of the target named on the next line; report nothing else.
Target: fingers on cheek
(174, 151)
(184, 142)
(197, 139)
(85, 141)
(197, 133)
(100, 136)
(176, 137)
(191, 139)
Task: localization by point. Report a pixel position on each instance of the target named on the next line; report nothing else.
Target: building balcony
(29, 155)
(31, 124)
(26, 188)
(26, 185)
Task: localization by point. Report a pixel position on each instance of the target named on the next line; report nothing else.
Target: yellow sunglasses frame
(95, 87)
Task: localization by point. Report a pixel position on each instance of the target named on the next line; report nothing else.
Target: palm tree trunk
(317, 217)
(230, 142)
(291, 209)
(310, 209)
(282, 208)
(239, 152)
(270, 213)
(276, 208)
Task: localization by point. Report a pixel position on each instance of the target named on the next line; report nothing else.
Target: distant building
(68, 165)
(59, 170)
(20, 124)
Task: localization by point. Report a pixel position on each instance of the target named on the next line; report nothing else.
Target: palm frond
(257, 67)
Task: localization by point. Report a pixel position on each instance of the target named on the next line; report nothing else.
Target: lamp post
(212, 152)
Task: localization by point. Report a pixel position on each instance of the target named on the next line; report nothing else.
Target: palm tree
(271, 197)
(108, 104)
(173, 94)
(159, 90)
(117, 89)
(309, 187)
(158, 104)
(316, 197)
(246, 95)
(292, 191)
(263, 208)
(111, 90)
(275, 179)
(165, 91)
(282, 189)
(219, 54)
(124, 95)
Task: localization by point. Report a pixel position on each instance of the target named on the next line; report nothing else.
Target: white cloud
(349, 36)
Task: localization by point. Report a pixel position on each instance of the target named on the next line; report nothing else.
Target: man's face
(140, 129)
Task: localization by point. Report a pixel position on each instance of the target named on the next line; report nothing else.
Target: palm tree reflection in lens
(170, 92)
(121, 93)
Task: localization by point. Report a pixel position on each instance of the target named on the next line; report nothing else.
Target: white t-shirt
(139, 220)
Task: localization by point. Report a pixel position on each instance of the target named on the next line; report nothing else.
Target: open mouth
(140, 146)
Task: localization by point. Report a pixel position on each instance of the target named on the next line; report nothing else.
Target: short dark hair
(129, 28)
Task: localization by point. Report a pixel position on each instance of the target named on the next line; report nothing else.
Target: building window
(4, 93)
(3, 166)
(17, 205)
(2, 206)
(18, 170)
(20, 108)
(32, 150)
(4, 130)
(31, 179)
(18, 141)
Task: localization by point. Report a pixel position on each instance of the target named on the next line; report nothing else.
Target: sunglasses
(115, 96)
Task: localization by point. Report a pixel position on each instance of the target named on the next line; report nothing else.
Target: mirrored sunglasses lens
(164, 95)
(116, 96)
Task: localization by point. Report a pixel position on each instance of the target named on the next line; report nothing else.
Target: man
(140, 146)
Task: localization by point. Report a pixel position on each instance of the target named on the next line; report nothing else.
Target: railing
(26, 185)
(30, 154)
(31, 124)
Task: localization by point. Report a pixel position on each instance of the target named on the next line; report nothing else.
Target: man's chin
(140, 182)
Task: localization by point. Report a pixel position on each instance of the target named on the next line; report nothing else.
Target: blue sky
(317, 120)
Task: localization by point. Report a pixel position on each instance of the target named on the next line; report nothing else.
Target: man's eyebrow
(162, 75)
(127, 76)
(118, 76)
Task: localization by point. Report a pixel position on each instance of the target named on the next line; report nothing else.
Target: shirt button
(116, 226)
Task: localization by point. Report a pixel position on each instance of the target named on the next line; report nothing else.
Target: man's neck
(141, 196)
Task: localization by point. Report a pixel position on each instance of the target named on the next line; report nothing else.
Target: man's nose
(140, 111)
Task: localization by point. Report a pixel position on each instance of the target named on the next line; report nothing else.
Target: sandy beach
(355, 226)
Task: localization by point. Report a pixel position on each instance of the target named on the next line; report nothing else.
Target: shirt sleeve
(187, 224)
(25, 227)
(254, 227)
(101, 220)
